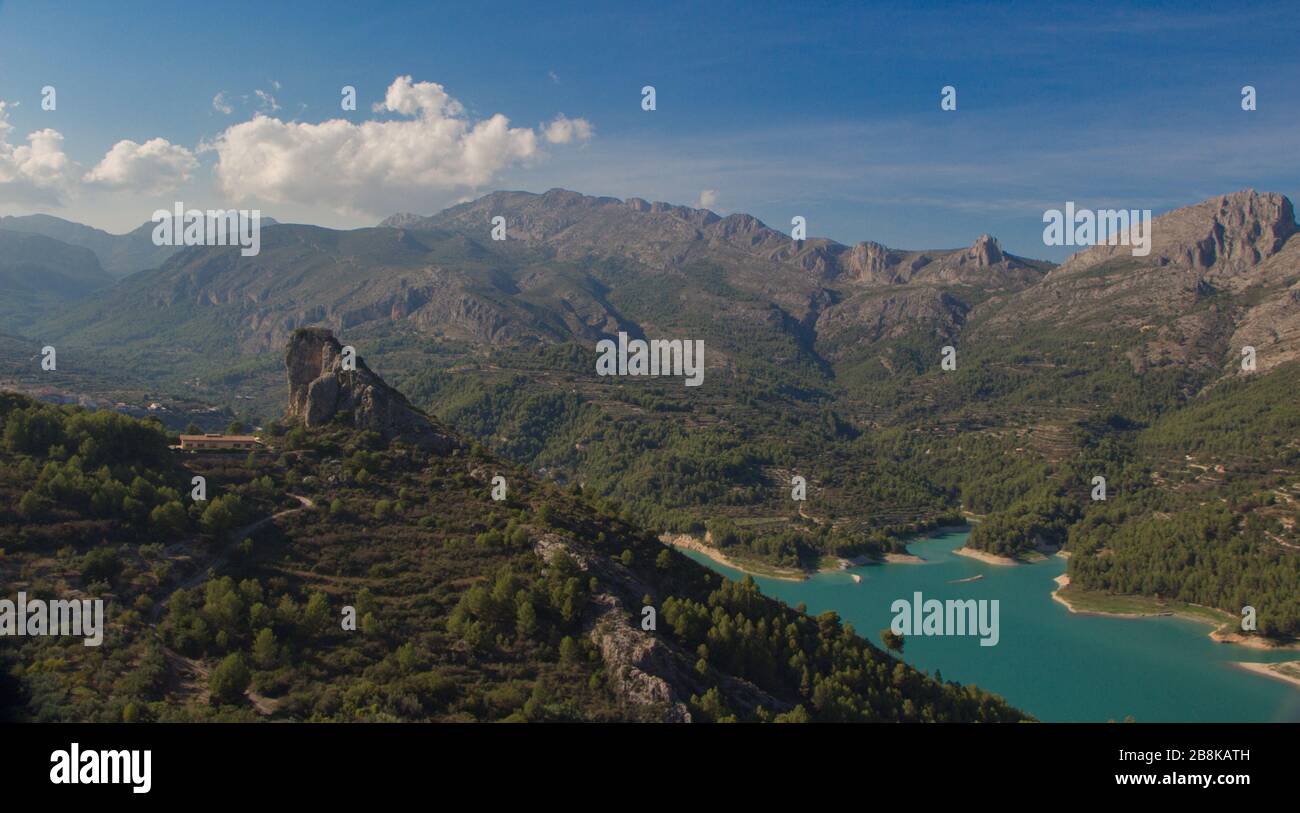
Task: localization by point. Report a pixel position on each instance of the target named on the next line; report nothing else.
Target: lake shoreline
(1220, 632)
(1247, 699)
(986, 557)
(700, 546)
(1039, 554)
(695, 543)
(1273, 670)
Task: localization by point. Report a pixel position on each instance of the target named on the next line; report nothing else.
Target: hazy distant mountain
(836, 296)
(580, 267)
(119, 254)
(38, 272)
(437, 284)
(574, 268)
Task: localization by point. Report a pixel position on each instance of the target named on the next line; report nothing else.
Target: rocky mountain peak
(869, 261)
(1249, 226)
(985, 252)
(401, 220)
(320, 389)
(1229, 233)
(747, 232)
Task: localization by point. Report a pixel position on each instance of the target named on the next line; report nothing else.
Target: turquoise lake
(1049, 662)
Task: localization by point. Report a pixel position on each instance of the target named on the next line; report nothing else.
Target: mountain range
(576, 267)
(118, 254)
(822, 360)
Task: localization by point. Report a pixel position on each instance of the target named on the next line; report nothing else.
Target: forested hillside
(466, 608)
(822, 362)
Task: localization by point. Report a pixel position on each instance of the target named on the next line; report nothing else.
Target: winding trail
(236, 536)
(181, 664)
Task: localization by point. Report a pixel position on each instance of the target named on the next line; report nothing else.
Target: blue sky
(829, 111)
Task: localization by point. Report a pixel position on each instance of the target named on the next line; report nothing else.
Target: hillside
(119, 254)
(822, 361)
(38, 273)
(466, 607)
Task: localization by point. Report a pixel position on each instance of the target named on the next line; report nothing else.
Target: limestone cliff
(320, 389)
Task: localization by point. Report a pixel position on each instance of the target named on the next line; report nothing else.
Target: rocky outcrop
(986, 252)
(1219, 277)
(871, 262)
(1229, 234)
(642, 668)
(887, 313)
(645, 668)
(635, 660)
(321, 390)
(983, 265)
(401, 220)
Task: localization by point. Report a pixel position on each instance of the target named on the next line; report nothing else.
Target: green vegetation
(466, 608)
(1118, 378)
(1005, 443)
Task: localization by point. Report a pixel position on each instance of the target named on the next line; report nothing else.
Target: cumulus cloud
(425, 98)
(38, 171)
(153, 167)
(425, 146)
(565, 130)
(708, 198)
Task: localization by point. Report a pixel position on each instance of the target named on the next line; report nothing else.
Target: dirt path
(193, 674)
(237, 536)
(223, 558)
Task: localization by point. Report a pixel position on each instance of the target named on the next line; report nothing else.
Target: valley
(822, 361)
(454, 605)
(1060, 666)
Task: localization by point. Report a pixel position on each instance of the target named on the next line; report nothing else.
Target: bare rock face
(890, 313)
(320, 389)
(871, 262)
(643, 667)
(1229, 235)
(986, 252)
(983, 264)
(1220, 276)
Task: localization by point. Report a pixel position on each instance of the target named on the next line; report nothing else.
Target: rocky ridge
(321, 390)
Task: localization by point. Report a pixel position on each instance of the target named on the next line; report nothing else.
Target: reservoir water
(1049, 662)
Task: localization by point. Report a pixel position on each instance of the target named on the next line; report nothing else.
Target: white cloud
(708, 198)
(565, 130)
(38, 171)
(153, 167)
(425, 98)
(266, 101)
(221, 104)
(428, 154)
